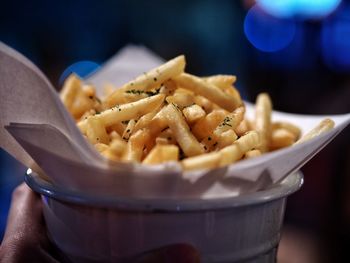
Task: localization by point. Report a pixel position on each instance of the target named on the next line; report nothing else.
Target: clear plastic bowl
(102, 228)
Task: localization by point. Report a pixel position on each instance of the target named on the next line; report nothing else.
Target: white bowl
(102, 228)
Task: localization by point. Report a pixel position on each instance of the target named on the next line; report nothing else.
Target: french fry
(144, 121)
(324, 126)
(243, 127)
(205, 126)
(135, 146)
(230, 122)
(71, 87)
(221, 81)
(226, 138)
(166, 137)
(234, 152)
(95, 131)
(263, 120)
(127, 111)
(181, 99)
(206, 104)
(225, 156)
(188, 143)
(193, 113)
(252, 153)
(281, 138)
(150, 80)
(100, 147)
(129, 129)
(161, 154)
(288, 126)
(207, 90)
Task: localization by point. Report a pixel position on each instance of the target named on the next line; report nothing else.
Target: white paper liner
(33, 114)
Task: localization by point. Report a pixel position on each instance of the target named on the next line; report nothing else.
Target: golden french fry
(231, 121)
(95, 131)
(205, 126)
(203, 161)
(281, 138)
(226, 138)
(193, 113)
(181, 99)
(288, 126)
(221, 81)
(166, 137)
(129, 129)
(161, 154)
(135, 146)
(127, 111)
(71, 87)
(188, 143)
(234, 152)
(225, 156)
(324, 126)
(100, 147)
(243, 127)
(144, 121)
(252, 153)
(206, 104)
(263, 111)
(150, 80)
(207, 90)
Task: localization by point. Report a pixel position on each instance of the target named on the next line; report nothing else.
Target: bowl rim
(280, 190)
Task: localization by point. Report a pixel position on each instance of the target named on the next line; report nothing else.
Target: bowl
(108, 228)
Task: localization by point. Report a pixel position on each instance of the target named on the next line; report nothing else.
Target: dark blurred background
(296, 50)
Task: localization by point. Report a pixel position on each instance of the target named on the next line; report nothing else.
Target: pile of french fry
(169, 115)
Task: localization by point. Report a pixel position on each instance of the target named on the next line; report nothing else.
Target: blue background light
(303, 8)
(268, 33)
(335, 41)
(81, 68)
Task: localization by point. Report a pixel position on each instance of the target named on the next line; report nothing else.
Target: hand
(25, 238)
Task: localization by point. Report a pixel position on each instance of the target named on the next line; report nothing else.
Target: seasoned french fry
(161, 154)
(281, 138)
(144, 121)
(230, 122)
(135, 146)
(127, 111)
(166, 137)
(252, 153)
(129, 129)
(193, 113)
(288, 126)
(207, 90)
(263, 120)
(95, 131)
(188, 143)
(205, 126)
(226, 138)
(225, 156)
(324, 126)
(234, 152)
(150, 80)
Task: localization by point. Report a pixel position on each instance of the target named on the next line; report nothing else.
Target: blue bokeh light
(268, 33)
(335, 41)
(81, 68)
(302, 8)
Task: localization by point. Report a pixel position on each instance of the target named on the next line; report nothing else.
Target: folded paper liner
(37, 130)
